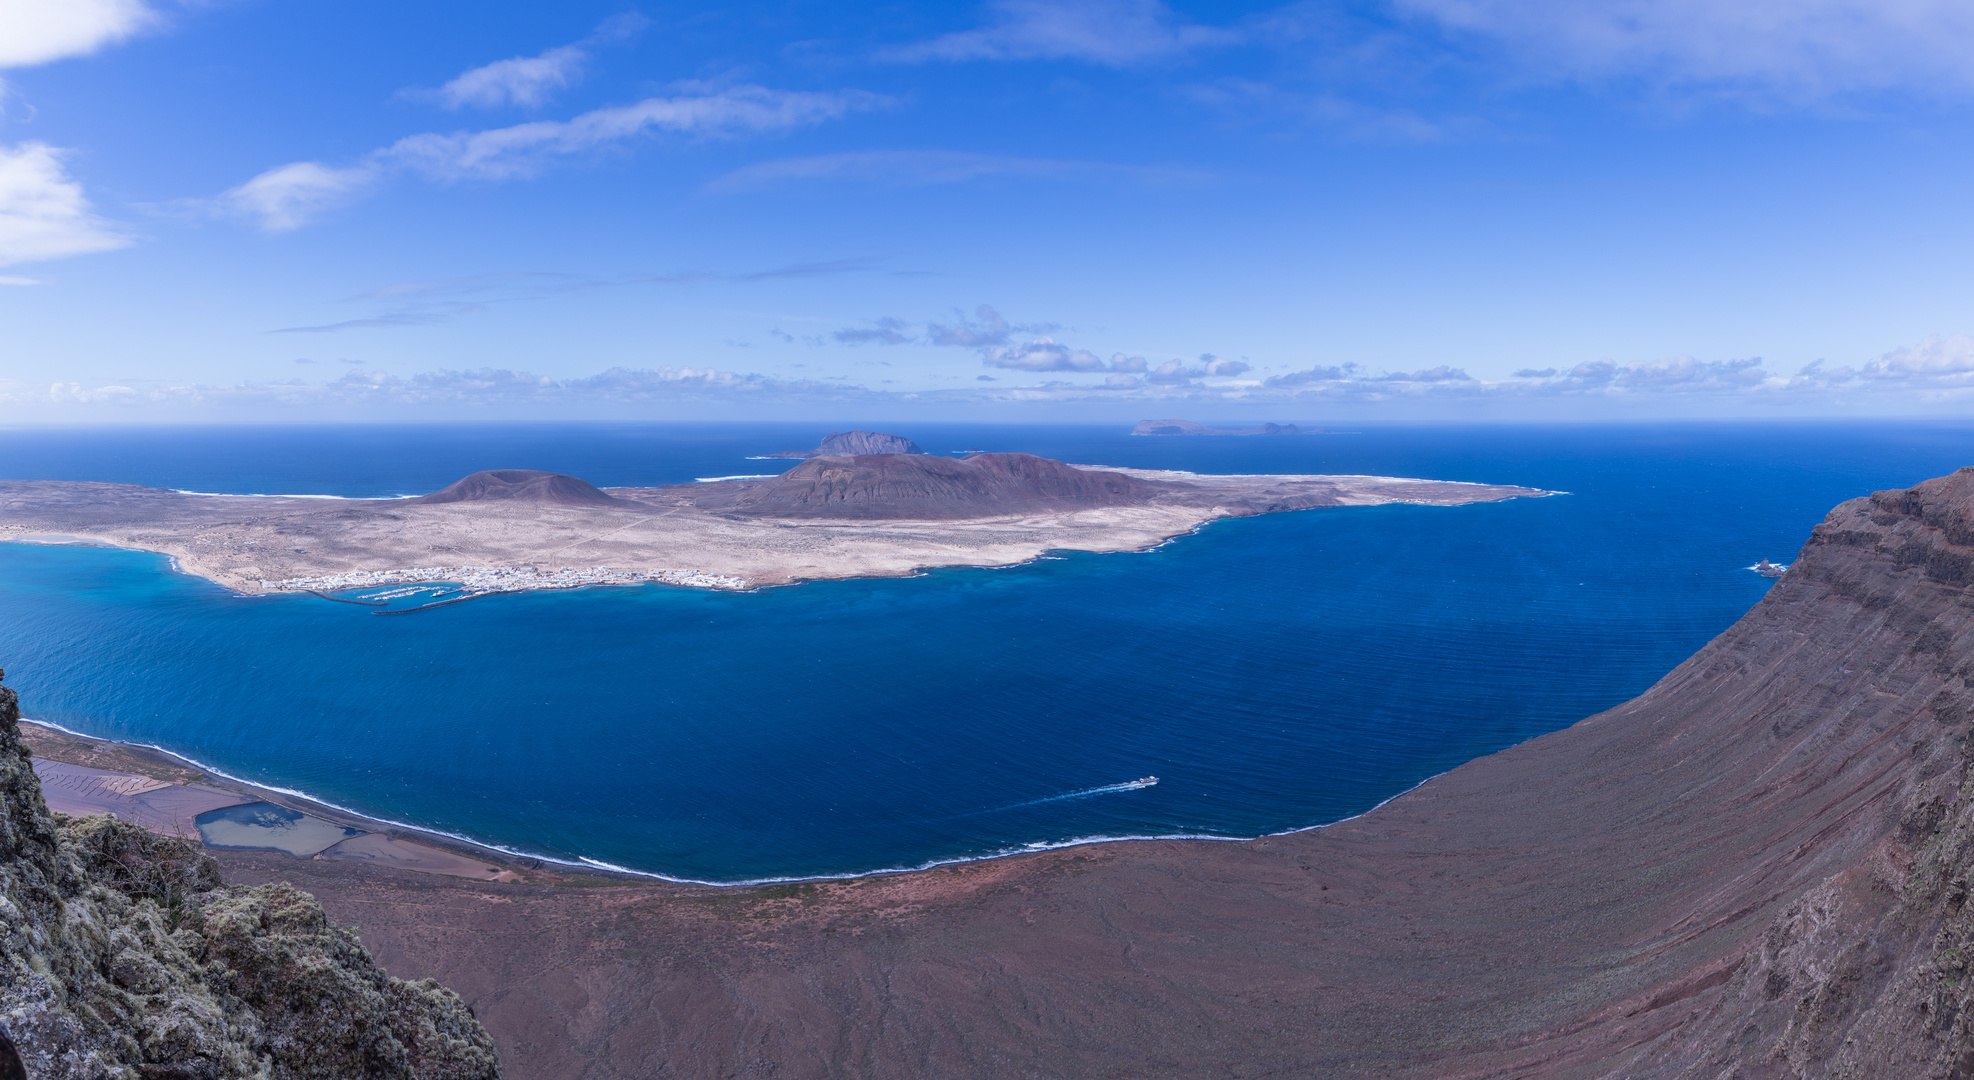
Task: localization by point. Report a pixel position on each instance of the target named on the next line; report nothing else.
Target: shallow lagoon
(1273, 673)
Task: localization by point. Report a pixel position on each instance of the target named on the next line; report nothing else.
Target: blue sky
(1022, 209)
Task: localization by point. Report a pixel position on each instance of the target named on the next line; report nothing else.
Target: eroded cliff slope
(123, 955)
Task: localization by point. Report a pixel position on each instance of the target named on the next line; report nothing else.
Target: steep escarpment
(1760, 868)
(123, 955)
(1871, 972)
(919, 487)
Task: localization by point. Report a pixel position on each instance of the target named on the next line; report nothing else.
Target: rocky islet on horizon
(1194, 427)
(854, 444)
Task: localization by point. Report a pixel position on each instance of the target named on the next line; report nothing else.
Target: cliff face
(123, 955)
(1870, 973)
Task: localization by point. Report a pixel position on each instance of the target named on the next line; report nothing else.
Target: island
(852, 443)
(504, 530)
(1194, 427)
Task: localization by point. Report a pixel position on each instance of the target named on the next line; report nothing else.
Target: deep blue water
(1274, 672)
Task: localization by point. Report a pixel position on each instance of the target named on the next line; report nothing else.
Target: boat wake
(1128, 785)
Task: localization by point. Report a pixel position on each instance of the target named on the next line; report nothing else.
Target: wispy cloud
(987, 329)
(1784, 49)
(1115, 33)
(43, 213)
(919, 168)
(424, 303)
(886, 331)
(401, 318)
(1936, 375)
(289, 196)
(39, 31)
(1361, 121)
(1028, 347)
(529, 81)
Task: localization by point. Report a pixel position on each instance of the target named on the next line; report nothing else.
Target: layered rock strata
(123, 956)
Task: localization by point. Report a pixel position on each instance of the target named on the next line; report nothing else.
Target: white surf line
(585, 862)
(748, 476)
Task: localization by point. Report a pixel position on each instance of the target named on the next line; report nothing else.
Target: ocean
(1273, 673)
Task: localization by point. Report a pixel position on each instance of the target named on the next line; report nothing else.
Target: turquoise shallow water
(1274, 672)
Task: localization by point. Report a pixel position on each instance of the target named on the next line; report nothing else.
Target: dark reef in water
(522, 485)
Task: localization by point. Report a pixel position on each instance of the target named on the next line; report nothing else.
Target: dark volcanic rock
(522, 485)
(854, 443)
(123, 955)
(918, 487)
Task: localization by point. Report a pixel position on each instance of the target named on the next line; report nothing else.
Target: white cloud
(1935, 376)
(1795, 49)
(525, 149)
(1042, 355)
(917, 168)
(527, 81)
(1116, 33)
(1935, 361)
(19, 281)
(38, 31)
(43, 213)
(291, 195)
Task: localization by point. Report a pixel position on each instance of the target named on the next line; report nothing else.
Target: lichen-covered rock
(123, 956)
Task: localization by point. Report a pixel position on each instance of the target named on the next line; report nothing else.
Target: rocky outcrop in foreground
(123, 956)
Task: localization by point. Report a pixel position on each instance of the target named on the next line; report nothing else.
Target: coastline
(534, 864)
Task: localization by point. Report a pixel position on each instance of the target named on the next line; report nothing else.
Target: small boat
(1145, 781)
